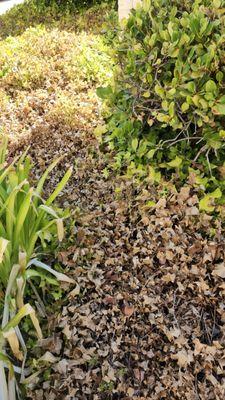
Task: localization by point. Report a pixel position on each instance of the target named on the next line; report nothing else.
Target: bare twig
(203, 148)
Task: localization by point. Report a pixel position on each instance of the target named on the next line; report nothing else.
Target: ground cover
(145, 319)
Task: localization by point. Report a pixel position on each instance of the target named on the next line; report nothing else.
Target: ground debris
(146, 316)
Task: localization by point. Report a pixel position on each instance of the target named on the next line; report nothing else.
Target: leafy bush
(39, 56)
(70, 4)
(166, 106)
(27, 223)
(76, 16)
(50, 78)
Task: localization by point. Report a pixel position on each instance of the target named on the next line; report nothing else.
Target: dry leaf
(219, 270)
(128, 310)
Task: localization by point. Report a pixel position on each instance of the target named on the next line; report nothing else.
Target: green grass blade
(11, 282)
(3, 193)
(3, 149)
(10, 214)
(43, 179)
(22, 213)
(51, 198)
(2, 229)
(22, 158)
(59, 187)
(23, 312)
(6, 171)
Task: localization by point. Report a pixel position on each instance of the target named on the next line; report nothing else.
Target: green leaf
(104, 92)
(150, 153)
(222, 100)
(134, 144)
(190, 86)
(185, 107)
(210, 86)
(176, 163)
(219, 109)
(159, 91)
(195, 25)
(219, 76)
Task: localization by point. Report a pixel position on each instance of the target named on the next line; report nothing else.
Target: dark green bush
(64, 14)
(166, 106)
(70, 4)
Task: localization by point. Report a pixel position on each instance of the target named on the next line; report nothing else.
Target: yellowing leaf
(185, 107)
(134, 144)
(222, 133)
(176, 163)
(150, 153)
(60, 229)
(190, 86)
(206, 203)
(146, 94)
(217, 3)
(3, 245)
(150, 203)
(159, 91)
(219, 109)
(100, 130)
(13, 341)
(150, 121)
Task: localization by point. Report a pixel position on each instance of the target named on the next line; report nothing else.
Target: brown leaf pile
(146, 318)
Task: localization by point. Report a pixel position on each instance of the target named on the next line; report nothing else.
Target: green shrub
(27, 224)
(166, 106)
(70, 4)
(73, 15)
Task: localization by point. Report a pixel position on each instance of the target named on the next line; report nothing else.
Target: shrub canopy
(72, 3)
(167, 104)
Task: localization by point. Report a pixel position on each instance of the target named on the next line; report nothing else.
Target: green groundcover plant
(165, 110)
(27, 224)
(64, 14)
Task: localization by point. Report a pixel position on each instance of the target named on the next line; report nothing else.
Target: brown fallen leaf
(139, 374)
(183, 358)
(75, 291)
(49, 357)
(219, 270)
(79, 373)
(128, 310)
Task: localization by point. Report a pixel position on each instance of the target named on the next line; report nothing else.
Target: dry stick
(203, 148)
(182, 139)
(207, 157)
